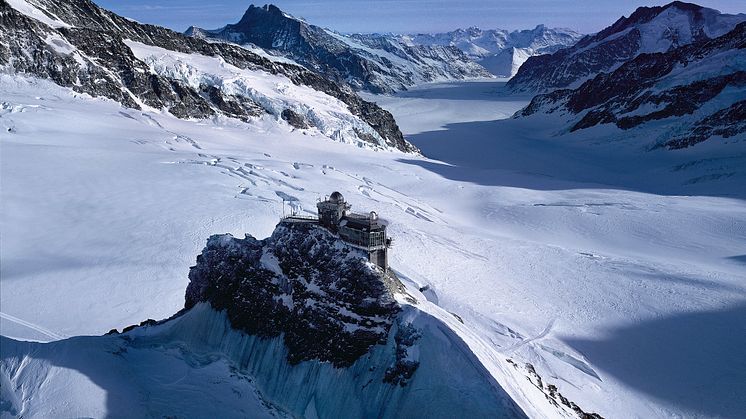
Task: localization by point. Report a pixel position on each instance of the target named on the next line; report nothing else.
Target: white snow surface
(599, 263)
(33, 12)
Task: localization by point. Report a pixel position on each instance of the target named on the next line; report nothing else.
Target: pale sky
(402, 16)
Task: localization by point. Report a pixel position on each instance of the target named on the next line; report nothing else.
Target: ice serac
(78, 45)
(298, 324)
(500, 51)
(648, 30)
(375, 63)
(676, 98)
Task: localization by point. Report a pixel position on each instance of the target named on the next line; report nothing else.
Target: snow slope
(597, 264)
(92, 52)
(197, 366)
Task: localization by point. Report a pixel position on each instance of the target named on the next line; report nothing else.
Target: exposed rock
(294, 119)
(725, 123)
(372, 62)
(551, 393)
(322, 296)
(86, 51)
(647, 30)
(405, 365)
(685, 87)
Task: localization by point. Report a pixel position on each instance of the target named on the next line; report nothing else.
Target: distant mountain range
(385, 63)
(685, 84)
(78, 45)
(376, 63)
(648, 30)
(500, 51)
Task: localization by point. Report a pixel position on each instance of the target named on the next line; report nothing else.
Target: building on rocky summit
(363, 231)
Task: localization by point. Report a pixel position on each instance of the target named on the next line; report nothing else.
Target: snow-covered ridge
(82, 47)
(500, 51)
(273, 92)
(689, 94)
(375, 63)
(227, 373)
(647, 30)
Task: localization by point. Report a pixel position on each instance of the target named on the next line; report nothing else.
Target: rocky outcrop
(696, 91)
(647, 30)
(78, 45)
(375, 63)
(296, 325)
(323, 297)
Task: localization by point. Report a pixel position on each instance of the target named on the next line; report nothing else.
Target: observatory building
(363, 231)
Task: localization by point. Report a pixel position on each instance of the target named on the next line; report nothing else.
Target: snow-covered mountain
(90, 50)
(674, 99)
(559, 275)
(500, 51)
(646, 31)
(296, 325)
(375, 63)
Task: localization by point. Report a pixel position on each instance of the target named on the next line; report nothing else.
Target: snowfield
(595, 261)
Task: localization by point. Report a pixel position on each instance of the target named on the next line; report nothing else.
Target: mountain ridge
(374, 63)
(697, 89)
(647, 30)
(267, 330)
(499, 50)
(81, 46)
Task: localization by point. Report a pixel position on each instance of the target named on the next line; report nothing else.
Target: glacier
(583, 265)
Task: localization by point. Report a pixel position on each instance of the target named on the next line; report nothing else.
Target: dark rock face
(294, 119)
(403, 369)
(99, 63)
(726, 123)
(620, 43)
(326, 53)
(651, 87)
(322, 296)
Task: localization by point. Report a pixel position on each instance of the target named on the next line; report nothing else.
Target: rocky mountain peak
(376, 63)
(323, 296)
(691, 93)
(647, 30)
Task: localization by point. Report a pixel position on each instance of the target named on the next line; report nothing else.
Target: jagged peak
(266, 10)
(645, 14)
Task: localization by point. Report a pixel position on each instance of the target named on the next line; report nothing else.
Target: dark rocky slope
(697, 89)
(301, 283)
(83, 48)
(648, 30)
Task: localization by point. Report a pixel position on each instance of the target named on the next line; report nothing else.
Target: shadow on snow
(504, 153)
(695, 360)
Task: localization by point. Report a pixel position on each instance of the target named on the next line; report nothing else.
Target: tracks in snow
(32, 326)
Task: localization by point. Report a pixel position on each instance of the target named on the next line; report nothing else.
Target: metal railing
(299, 218)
